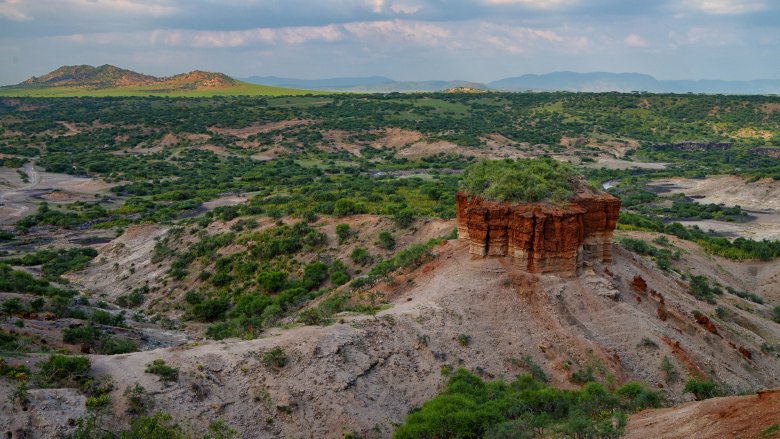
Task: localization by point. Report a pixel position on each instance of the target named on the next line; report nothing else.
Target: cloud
(394, 31)
(534, 4)
(727, 7)
(706, 37)
(635, 40)
(134, 7)
(10, 10)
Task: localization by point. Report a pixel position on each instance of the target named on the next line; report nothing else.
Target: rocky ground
(364, 373)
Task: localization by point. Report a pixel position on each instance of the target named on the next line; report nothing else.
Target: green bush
(360, 256)
(210, 309)
(523, 180)
(404, 217)
(275, 358)
(339, 278)
(469, 407)
(313, 275)
(703, 389)
(63, 370)
(342, 231)
(776, 313)
(160, 368)
(386, 240)
(158, 426)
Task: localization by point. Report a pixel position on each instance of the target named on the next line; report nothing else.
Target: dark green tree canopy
(522, 180)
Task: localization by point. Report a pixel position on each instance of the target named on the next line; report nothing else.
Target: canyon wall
(540, 237)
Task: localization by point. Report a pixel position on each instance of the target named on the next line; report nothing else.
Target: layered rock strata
(540, 237)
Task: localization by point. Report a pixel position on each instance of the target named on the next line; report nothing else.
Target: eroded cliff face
(539, 237)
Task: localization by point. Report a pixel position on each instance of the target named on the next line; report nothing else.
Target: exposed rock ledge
(540, 237)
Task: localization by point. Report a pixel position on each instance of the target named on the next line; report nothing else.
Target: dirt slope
(365, 374)
(733, 416)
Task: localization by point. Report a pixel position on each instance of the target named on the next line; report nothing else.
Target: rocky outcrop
(540, 237)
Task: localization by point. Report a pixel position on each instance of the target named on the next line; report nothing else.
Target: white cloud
(635, 40)
(706, 36)
(132, 7)
(534, 4)
(10, 10)
(727, 7)
(418, 33)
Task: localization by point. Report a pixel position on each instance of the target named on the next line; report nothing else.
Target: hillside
(293, 260)
(108, 80)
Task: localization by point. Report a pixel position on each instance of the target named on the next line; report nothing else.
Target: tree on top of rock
(522, 181)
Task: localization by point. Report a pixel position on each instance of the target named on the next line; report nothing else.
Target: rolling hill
(108, 80)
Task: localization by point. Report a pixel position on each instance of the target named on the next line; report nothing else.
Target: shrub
(165, 372)
(97, 402)
(210, 309)
(275, 358)
(64, 370)
(536, 371)
(464, 340)
(583, 376)
(702, 389)
(138, 401)
(272, 281)
(360, 256)
(776, 313)
(648, 343)
(523, 180)
(314, 274)
(342, 231)
(12, 306)
(160, 425)
(404, 217)
(339, 278)
(386, 240)
(669, 370)
(469, 407)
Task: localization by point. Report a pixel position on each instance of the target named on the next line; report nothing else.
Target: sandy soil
(729, 417)
(761, 199)
(18, 199)
(759, 196)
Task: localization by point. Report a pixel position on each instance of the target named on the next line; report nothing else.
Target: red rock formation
(639, 284)
(540, 237)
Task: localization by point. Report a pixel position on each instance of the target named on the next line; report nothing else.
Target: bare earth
(368, 372)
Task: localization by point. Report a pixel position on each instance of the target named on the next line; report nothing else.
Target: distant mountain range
(369, 84)
(108, 76)
(557, 81)
(108, 80)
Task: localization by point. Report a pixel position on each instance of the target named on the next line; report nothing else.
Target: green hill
(108, 80)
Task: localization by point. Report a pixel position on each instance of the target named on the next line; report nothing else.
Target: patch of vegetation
(98, 341)
(670, 372)
(737, 249)
(160, 368)
(702, 290)
(470, 407)
(17, 281)
(662, 256)
(703, 389)
(63, 370)
(522, 180)
(275, 358)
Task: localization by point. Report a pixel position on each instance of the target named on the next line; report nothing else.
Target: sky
(477, 40)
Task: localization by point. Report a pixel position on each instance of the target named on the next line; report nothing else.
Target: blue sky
(480, 40)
